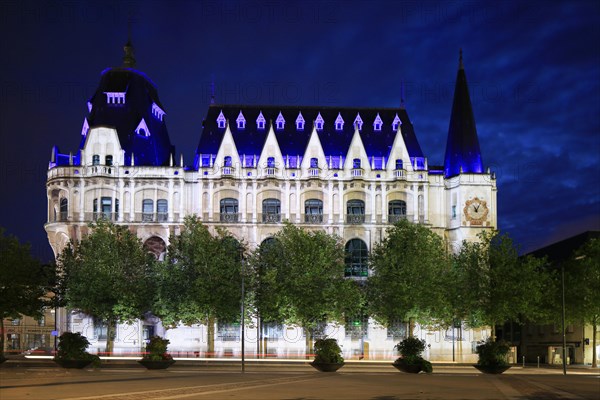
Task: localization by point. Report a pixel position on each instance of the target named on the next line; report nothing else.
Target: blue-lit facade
(348, 171)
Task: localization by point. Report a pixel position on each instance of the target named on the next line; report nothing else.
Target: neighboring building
(546, 341)
(27, 334)
(349, 171)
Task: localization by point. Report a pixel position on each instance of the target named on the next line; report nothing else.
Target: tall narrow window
(357, 257)
(313, 211)
(271, 210)
(399, 164)
(314, 163)
(396, 210)
(355, 210)
(147, 210)
(162, 210)
(356, 163)
(106, 207)
(108, 160)
(64, 209)
(96, 159)
(229, 210)
(227, 161)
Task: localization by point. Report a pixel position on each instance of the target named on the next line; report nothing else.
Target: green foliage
(411, 347)
(72, 346)
(108, 275)
(299, 279)
(494, 285)
(409, 268)
(327, 351)
(582, 283)
(201, 277)
(411, 350)
(23, 282)
(492, 353)
(156, 349)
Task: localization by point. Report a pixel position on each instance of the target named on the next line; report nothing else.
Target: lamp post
(564, 337)
(243, 314)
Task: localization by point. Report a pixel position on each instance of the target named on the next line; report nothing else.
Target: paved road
(297, 382)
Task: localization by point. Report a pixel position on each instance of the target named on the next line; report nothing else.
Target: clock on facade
(476, 211)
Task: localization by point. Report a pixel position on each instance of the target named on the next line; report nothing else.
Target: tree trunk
(210, 337)
(493, 332)
(110, 337)
(594, 355)
(309, 343)
(3, 335)
(411, 327)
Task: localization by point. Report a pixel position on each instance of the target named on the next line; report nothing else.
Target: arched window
(108, 160)
(396, 210)
(147, 210)
(314, 162)
(313, 211)
(95, 159)
(64, 209)
(356, 163)
(271, 162)
(162, 210)
(399, 164)
(229, 210)
(156, 246)
(357, 257)
(105, 209)
(271, 209)
(355, 211)
(227, 161)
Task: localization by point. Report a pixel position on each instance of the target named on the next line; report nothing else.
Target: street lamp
(564, 337)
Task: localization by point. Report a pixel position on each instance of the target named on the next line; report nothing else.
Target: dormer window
(241, 121)
(319, 123)
(96, 159)
(396, 123)
(115, 97)
(157, 112)
(377, 123)
(142, 129)
(300, 122)
(260, 121)
(221, 120)
(85, 128)
(280, 121)
(358, 122)
(339, 123)
(108, 160)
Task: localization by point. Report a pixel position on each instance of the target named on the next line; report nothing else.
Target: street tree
(496, 285)
(300, 281)
(24, 282)
(200, 280)
(582, 283)
(408, 270)
(108, 275)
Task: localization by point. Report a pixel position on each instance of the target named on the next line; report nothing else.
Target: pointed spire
(463, 154)
(128, 58)
(460, 60)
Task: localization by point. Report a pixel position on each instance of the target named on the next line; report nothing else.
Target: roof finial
(212, 90)
(128, 59)
(402, 94)
(460, 60)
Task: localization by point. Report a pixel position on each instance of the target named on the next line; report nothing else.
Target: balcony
(270, 172)
(96, 216)
(357, 172)
(228, 171)
(313, 218)
(392, 219)
(355, 219)
(229, 217)
(152, 217)
(271, 218)
(400, 174)
(313, 172)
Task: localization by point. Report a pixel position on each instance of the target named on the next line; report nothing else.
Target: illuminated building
(349, 171)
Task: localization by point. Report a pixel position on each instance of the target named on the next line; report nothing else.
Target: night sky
(533, 69)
